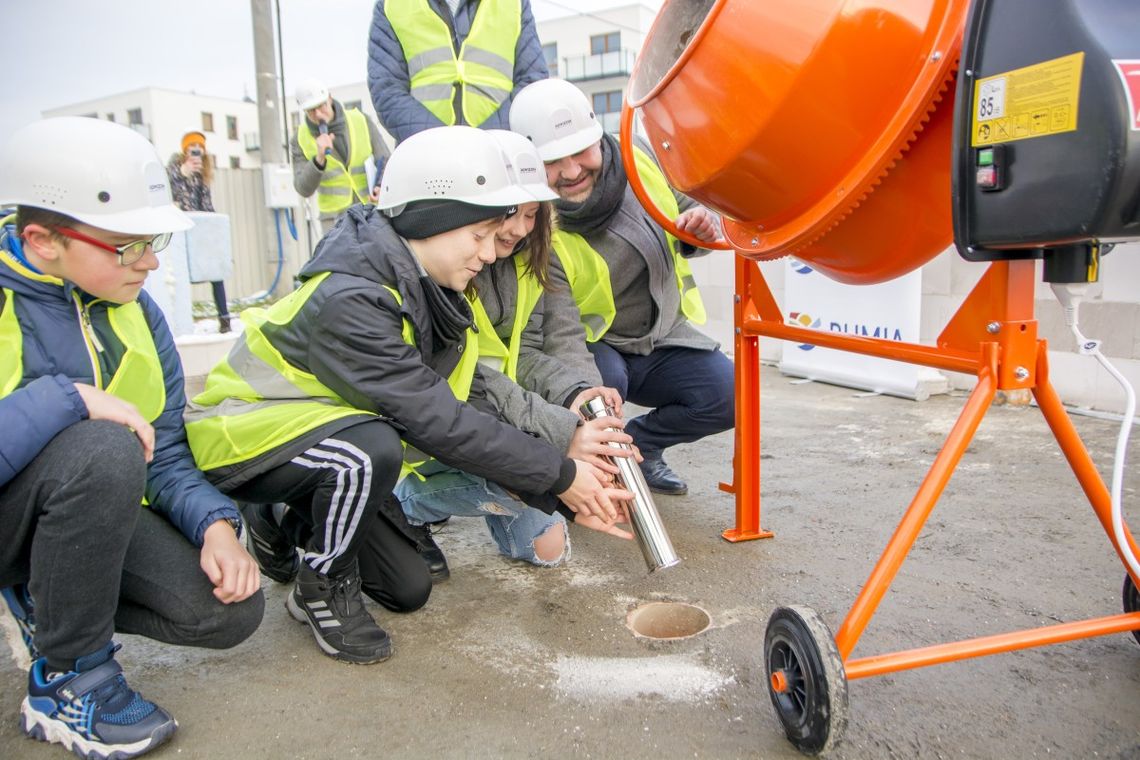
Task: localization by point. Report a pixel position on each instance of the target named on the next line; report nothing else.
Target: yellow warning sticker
(1034, 101)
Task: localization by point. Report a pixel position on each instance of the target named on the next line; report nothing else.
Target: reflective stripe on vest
(138, 379)
(492, 350)
(256, 401)
(589, 275)
(339, 184)
(484, 69)
(11, 346)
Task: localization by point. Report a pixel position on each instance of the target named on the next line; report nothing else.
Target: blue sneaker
(92, 711)
(20, 605)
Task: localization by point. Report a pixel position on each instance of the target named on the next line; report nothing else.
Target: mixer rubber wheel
(806, 680)
(1131, 600)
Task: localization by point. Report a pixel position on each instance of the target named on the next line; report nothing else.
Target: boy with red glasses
(105, 522)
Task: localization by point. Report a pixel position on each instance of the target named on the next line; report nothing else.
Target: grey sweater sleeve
(528, 411)
(306, 175)
(545, 373)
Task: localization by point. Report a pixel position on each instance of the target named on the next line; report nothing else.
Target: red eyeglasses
(128, 254)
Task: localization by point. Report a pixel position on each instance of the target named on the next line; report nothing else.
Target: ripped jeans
(451, 493)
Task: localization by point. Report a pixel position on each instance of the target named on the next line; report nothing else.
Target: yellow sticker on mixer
(1034, 101)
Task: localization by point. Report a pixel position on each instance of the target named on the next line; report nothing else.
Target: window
(607, 106)
(231, 127)
(134, 116)
(607, 102)
(351, 104)
(235, 161)
(550, 55)
(605, 43)
(110, 117)
(207, 122)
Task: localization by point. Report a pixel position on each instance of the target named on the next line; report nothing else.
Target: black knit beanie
(423, 219)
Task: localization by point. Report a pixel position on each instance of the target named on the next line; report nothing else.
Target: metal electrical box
(1047, 128)
(279, 192)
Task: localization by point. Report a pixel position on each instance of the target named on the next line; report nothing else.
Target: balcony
(583, 67)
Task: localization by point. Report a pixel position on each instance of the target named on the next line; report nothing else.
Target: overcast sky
(57, 52)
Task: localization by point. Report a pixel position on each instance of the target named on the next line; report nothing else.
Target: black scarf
(594, 213)
(450, 314)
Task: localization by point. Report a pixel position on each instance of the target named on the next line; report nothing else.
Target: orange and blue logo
(803, 319)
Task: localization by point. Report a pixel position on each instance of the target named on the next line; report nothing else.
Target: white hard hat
(97, 172)
(311, 93)
(449, 163)
(525, 162)
(555, 116)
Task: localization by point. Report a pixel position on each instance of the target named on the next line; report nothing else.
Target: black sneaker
(268, 543)
(335, 611)
(431, 553)
(92, 711)
(20, 604)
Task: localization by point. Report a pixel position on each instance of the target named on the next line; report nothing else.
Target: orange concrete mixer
(815, 127)
(848, 133)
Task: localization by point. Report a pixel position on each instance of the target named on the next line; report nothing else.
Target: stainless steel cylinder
(643, 516)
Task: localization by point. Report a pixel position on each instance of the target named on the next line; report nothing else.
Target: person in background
(191, 171)
(105, 522)
(330, 152)
(632, 282)
(438, 63)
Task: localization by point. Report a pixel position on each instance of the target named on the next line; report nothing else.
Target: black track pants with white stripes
(335, 490)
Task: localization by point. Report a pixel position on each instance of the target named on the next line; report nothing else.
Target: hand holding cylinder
(643, 516)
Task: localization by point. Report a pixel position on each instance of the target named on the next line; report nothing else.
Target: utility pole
(268, 91)
(275, 172)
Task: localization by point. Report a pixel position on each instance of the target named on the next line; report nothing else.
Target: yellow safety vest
(492, 350)
(484, 70)
(589, 275)
(341, 186)
(255, 400)
(138, 378)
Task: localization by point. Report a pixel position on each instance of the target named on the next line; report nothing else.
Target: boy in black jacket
(337, 389)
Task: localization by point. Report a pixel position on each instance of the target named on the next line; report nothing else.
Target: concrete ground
(508, 660)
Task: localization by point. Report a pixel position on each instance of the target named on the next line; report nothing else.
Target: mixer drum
(816, 127)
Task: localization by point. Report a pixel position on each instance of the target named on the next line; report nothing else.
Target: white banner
(889, 310)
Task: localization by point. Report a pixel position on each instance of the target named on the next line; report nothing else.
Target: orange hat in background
(193, 138)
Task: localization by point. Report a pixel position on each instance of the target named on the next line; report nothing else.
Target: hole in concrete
(667, 620)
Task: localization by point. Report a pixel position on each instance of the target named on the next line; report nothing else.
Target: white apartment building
(163, 116)
(596, 51)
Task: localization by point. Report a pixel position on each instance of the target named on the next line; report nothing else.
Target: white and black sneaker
(334, 610)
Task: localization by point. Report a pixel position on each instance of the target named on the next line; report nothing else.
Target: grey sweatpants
(95, 561)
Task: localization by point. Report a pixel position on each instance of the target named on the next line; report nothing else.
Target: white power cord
(1069, 295)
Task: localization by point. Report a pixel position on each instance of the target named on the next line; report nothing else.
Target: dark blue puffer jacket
(388, 80)
(45, 400)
